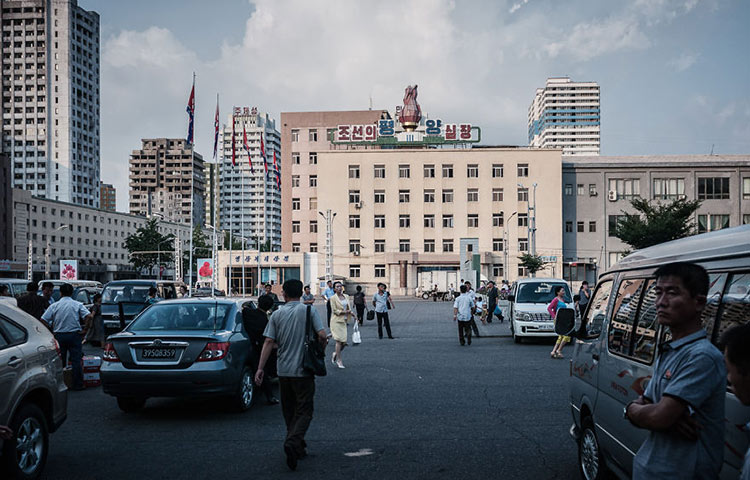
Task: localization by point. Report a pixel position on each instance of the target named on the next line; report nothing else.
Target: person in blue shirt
(683, 405)
(737, 360)
(327, 294)
(556, 304)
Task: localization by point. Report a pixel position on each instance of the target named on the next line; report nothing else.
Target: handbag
(356, 337)
(313, 361)
(370, 314)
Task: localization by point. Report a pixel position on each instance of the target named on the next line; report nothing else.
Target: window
(403, 196)
(429, 246)
(295, 226)
(746, 188)
(313, 135)
(313, 156)
(626, 308)
(523, 219)
(613, 221)
(295, 204)
(568, 189)
(353, 221)
(592, 226)
(313, 226)
(568, 227)
(429, 221)
(711, 223)
(579, 227)
(313, 203)
(447, 221)
(447, 171)
(429, 171)
(523, 169)
(626, 188)
(379, 221)
(597, 310)
(746, 218)
(497, 170)
(497, 244)
(379, 196)
(579, 189)
(472, 195)
(447, 246)
(379, 271)
(330, 134)
(429, 196)
(295, 135)
(523, 194)
(472, 220)
(295, 158)
(353, 171)
(498, 219)
(735, 302)
(404, 221)
(378, 171)
(472, 171)
(497, 194)
(353, 196)
(669, 188)
(296, 247)
(295, 180)
(713, 188)
(354, 246)
(592, 190)
(497, 271)
(403, 171)
(716, 283)
(379, 246)
(404, 245)
(447, 196)
(313, 180)
(354, 271)
(523, 244)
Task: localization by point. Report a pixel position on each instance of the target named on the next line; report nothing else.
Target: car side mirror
(511, 298)
(565, 322)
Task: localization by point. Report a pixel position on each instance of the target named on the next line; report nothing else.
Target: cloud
(517, 6)
(683, 62)
(593, 39)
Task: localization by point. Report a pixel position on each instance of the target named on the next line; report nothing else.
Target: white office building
(566, 114)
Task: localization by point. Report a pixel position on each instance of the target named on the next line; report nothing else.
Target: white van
(616, 346)
(528, 299)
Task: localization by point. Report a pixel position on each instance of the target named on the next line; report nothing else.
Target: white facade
(50, 98)
(250, 201)
(566, 114)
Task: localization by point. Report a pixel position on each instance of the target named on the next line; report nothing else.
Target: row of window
(429, 171)
(709, 188)
(447, 195)
(708, 222)
(429, 246)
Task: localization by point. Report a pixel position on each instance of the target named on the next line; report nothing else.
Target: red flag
(191, 112)
(233, 152)
(276, 171)
(247, 148)
(263, 153)
(216, 126)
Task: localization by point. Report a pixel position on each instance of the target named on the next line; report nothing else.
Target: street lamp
(47, 254)
(505, 244)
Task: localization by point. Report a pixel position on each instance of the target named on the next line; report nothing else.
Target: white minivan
(618, 338)
(528, 299)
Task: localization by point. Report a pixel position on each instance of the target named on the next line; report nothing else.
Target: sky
(674, 75)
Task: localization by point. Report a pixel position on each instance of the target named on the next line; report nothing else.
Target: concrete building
(6, 203)
(401, 214)
(108, 197)
(50, 98)
(162, 174)
(566, 114)
(94, 237)
(304, 136)
(274, 267)
(250, 199)
(597, 190)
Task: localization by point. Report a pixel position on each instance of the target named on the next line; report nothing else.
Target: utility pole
(30, 272)
(532, 228)
(506, 245)
(177, 258)
(329, 215)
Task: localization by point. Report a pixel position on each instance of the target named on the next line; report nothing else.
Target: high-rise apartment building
(303, 136)
(50, 98)
(108, 197)
(566, 114)
(250, 199)
(6, 203)
(162, 175)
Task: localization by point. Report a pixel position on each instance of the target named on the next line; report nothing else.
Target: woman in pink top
(556, 304)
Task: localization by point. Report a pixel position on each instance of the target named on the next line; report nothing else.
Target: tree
(201, 249)
(532, 263)
(148, 239)
(236, 242)
(656, 222)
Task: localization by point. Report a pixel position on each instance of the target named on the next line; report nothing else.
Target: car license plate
(547, 327)
(159, 352)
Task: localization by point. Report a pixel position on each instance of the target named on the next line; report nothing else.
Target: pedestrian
(359, 302)
(31, 303)
(268, 290)
(492, 294)
(95, 328)
(183, 291)
(452, 292)
(152, 298)
(463, 308)
(255, 321)
(683, 405)
(382, 302)
(737, 361)
(341, 311)
(327, 294)
(472, 294)
(556, 304)
(307, 297)
(65, 318)
(287, 328)
(47, 289)
(481, 309)
(4, 291)
(585, 295)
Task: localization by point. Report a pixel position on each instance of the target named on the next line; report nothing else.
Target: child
(481, 309)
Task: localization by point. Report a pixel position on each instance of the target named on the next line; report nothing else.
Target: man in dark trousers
(585, 295)
(492, 294)
(32, 303)
(327, 294)
(472, 294)
(255, 321)
(286, 328)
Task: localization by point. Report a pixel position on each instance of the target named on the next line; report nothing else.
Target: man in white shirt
(473, 295)
(463, 309)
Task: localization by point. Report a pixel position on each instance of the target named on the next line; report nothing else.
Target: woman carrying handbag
(340, 313)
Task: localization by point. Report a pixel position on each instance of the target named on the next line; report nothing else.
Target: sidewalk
(496, 329)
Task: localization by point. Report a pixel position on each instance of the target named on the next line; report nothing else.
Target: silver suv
(34, 398)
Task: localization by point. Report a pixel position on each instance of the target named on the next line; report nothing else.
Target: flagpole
(192, 220)
(215, 195)
(242, 215)
(229, 212)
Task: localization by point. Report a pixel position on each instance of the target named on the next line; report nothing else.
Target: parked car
(75, 283)
(33, 396)
(529, 298)
(187, 347)
(617, 340)
(206, 292)
(16, 286)
(132, 294)
(85, 295)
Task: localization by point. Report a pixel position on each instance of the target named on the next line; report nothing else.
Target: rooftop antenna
(371, 101)
(712, 147)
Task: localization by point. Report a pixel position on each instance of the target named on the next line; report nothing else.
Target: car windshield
(540, 292)
(125, 293)
(181, 316)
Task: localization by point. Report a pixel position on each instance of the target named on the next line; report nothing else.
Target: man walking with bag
(492, 293)
(287, 328)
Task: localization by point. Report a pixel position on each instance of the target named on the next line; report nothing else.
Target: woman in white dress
(341, 311)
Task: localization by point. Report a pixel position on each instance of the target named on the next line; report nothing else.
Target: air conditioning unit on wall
(612, 195)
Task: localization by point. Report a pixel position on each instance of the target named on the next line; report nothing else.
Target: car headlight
(523, 316)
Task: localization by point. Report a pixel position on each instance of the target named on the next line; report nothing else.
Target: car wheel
(590, 461)
(25, 454)
(243, 399)
(130, 404)
(425, 296)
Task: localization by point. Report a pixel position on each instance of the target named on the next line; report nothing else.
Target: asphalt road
(419, 406)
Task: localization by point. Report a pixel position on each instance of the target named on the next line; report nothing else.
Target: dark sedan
(181, 348)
